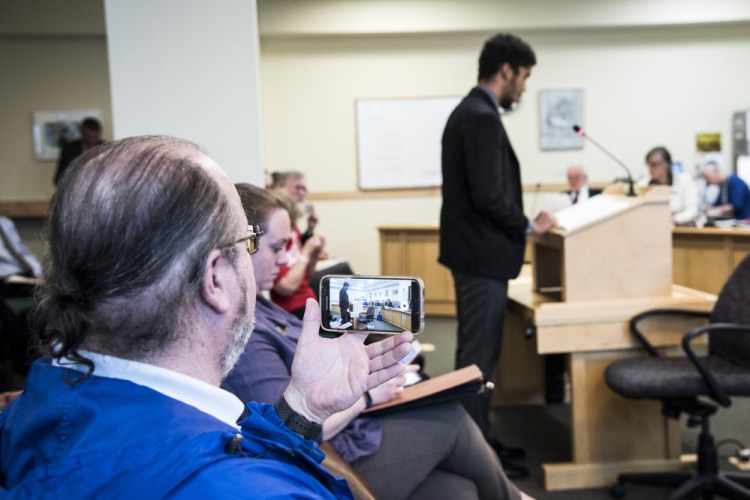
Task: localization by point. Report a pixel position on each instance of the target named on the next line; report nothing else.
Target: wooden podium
(614, 261)
(619, 247)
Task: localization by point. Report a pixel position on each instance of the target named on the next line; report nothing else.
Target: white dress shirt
(583, 194)
(209, 399)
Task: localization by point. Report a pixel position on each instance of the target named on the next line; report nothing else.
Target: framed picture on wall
(53, 128)
(559, 110)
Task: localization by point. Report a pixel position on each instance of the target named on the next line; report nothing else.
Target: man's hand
(312, 247)
(312, 219)
(726, 210)
(330, 375)
(543, 223)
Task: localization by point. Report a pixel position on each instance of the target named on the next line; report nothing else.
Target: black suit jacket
(343, 300)
(592, 192)
(69, 152)
(482, 224)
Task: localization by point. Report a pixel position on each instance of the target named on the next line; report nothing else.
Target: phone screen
(372, 304)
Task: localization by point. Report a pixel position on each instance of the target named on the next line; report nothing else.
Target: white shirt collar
(209, 399)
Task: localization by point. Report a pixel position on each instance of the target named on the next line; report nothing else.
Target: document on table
(591, 210)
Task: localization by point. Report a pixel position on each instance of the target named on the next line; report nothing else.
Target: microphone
(631, 191)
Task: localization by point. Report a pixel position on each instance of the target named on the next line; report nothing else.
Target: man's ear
(214, 284)
(506, 70)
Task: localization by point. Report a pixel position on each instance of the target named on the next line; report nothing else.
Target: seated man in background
(19, 269)
(733, 200)
(432, 452)
(578, 188)
(91, 135)
(147, 300)
(293, 183)
(15, 256)
(683, 201)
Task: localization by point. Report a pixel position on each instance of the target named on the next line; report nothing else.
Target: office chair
(679, 382)
(368, 316)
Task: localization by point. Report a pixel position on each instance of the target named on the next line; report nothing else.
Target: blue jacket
(110, 438)
(738, 194)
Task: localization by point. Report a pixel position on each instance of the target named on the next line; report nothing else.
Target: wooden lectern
(622, 250)
(611, 260)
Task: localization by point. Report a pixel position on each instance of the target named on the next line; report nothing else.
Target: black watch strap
(295, 421)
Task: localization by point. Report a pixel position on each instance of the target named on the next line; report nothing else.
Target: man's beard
(508, 105)
(241, 330)
(508, 102)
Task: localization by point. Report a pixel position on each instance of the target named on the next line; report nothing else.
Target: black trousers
(480, 304)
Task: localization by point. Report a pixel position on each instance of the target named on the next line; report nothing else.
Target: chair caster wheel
(617, 491)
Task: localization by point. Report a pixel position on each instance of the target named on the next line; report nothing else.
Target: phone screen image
(372, 304)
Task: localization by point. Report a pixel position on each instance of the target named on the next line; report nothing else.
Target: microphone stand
(631, 189)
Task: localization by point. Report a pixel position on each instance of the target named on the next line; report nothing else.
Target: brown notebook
(454, 386)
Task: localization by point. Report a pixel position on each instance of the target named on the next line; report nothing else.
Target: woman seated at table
(430, 452)
(683, 202)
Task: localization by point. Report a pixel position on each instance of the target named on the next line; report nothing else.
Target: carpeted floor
(544, 430)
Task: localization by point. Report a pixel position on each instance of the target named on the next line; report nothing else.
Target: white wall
(643, 85)
(653, 71)
(189, 69)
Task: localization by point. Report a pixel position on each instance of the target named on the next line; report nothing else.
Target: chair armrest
(714, 389)
(336, 465)
(641, 338)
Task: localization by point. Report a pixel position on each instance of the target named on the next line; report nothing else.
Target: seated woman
(291, 287)
(683, 201)
(432, 452)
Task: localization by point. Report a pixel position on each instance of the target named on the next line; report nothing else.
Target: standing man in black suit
(91, 135)
(344, 304)
(482, 224)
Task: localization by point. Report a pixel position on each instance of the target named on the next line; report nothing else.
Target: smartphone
(372, 304)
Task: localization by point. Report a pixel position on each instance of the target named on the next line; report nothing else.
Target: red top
(298, 299)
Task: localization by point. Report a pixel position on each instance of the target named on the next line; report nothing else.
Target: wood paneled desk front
(704, 258)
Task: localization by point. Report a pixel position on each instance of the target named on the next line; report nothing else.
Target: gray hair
(129, 231)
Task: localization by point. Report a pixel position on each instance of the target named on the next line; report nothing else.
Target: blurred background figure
(579, 189)
(91, 135)
(301, 247)
(683, 201)
(291, 287)
(733, 200)
(19, 269)
(294, 184)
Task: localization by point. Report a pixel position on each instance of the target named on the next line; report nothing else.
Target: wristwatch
(295, 421)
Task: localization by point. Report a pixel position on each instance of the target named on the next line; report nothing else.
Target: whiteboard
(398, 141)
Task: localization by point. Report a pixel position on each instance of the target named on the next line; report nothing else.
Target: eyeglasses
(252, 239)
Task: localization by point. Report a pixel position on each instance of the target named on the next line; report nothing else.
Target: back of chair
(733, 306)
